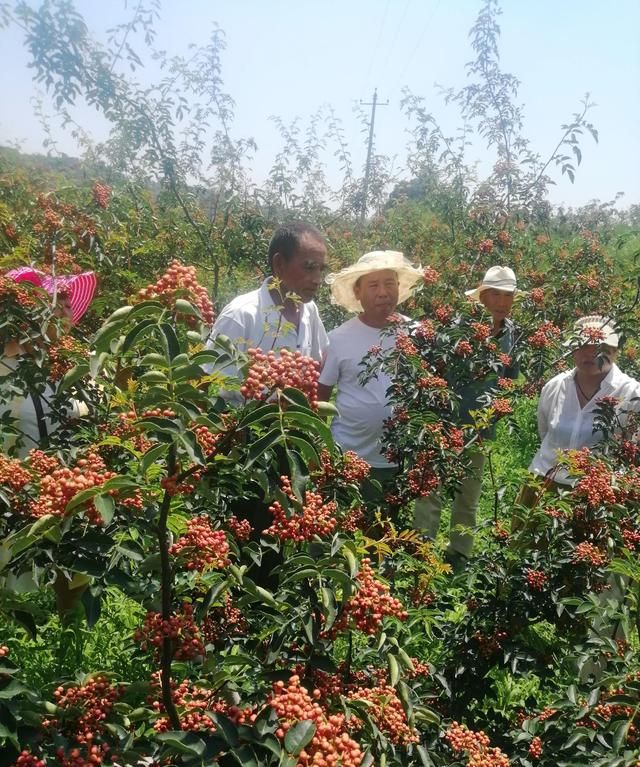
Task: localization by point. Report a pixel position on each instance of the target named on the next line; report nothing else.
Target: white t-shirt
(563, 425)
(253, 321)
(23, 410)
(362, 410)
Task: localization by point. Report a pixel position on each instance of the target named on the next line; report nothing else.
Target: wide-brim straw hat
(343, 282)
(498, 278)
(593, 329)
(80, 287)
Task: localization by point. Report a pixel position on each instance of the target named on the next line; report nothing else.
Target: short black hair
(286, 239)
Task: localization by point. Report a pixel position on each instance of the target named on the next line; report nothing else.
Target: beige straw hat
(499, 278)
(343, 282)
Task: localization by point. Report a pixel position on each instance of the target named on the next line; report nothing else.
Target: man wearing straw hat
(371, 288)
(496, 293)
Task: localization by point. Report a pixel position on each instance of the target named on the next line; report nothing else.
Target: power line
(375, 47)
(394, 38)
(365, 186)
(419, 41)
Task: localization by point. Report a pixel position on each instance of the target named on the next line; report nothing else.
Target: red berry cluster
(61, 356)
(595, 487)
(201, 547)
(536, 579)
(101, 194)
(476, 745)
(431, 382)
(506, 383)
(331, 744)
(405, 345)
(545, 335)
(385, 708)
(485, 246)
(224, 622)
(370, 604)
(240, 528)
(317, 517)
(501, 407)
(463, 348)
(353, 520)
(89, 756)
(349, 468)
(180, 281)
(422, 479)
(587, 553)
(425, 331)
(535, 748)
(537, 295)
(83, 710)
(504, 238)
(27, 759)
(18, 292)
(180, 628)
(60, 486)
(430, 275)
(490, 644)
(13, 474)
(269, 372)
(480, 331)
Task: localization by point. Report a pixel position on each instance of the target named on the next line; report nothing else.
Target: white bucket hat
(343, 282)
(593, 329)
(499, 278)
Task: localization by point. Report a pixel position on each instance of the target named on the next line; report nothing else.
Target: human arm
(544, 408)
(324, 392)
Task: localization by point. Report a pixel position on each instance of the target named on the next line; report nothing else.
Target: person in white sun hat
(569, 401)
(496, 293)
(372, 288)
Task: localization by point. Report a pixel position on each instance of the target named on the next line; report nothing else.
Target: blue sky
(289, 57)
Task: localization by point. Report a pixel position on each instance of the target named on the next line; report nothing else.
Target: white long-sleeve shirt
(564, 425)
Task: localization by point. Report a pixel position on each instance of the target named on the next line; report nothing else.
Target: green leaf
(260, 446)
(299, 736)
(187, 743)
(106, 507)
(141, 329)
(186, 307)
(394, 669)
(151, 456)
(73, 375)
(171, 340)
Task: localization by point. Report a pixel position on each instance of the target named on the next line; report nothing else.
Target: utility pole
(365, 190)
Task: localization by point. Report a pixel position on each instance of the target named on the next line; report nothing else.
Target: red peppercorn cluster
(544, 336)
(477, 746)
(425, 331)
(537, 295)
(60, 359)
(180, 281)
(59, 487)
(201, 547)
(385, 709)
(422, 479)
(485, 246)
(349, 468)
(481, 332)
(535, 748)
(101, 194)
(353, 520)
(501, 407)
(82, 714)
(317, 517)
(17, 292)
(587, 553)
(27, 759)
(536, 579)
(463, 348)
(331, 744)
(431, 382)
(240, 528)
(224, 622)
(405, 345)
(430, 275)
(490, 644)
(595, 487)
(504, 238)
(13, 474)
(366, 609)
(506, 383)
(269, 372)
(180, 628)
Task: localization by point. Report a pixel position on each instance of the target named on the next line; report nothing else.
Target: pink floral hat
(79, 287)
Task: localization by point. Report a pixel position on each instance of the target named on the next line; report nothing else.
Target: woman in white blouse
(569, 402)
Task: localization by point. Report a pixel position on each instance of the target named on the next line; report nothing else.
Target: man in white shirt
(281, 313)
(569, 402)
(373, 287)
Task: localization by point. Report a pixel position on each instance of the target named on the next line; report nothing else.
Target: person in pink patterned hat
(29, 416)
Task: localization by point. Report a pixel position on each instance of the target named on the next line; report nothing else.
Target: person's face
(304, 272)
(594, 359)
(63, 308)
(378, 293)
(497, 302)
